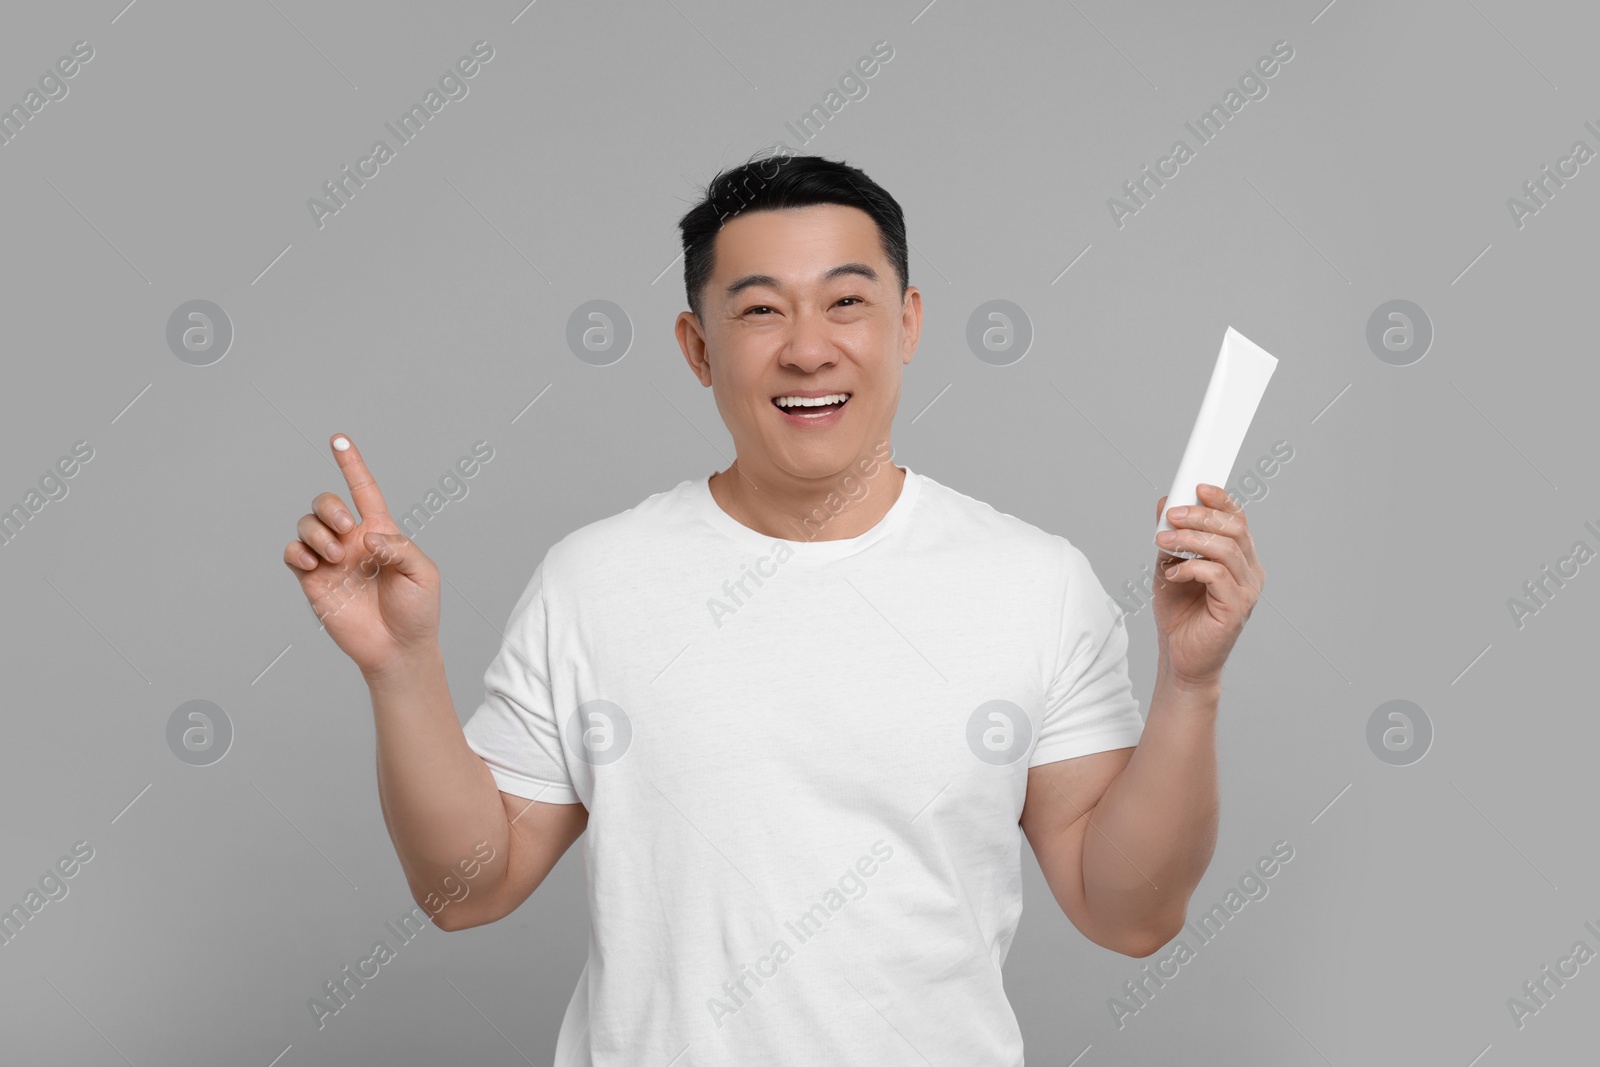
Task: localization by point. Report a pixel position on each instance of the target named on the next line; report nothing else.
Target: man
(802, 706)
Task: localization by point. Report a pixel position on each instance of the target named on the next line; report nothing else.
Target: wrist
(406, 669)
(1196, 690)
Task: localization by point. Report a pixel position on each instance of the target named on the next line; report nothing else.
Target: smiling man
(804, 812)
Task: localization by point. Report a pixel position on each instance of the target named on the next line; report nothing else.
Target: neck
(830, 508)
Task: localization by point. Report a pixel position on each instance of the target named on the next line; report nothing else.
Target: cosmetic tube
(1237, 383)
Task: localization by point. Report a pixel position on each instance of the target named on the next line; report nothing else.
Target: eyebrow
(750, 281)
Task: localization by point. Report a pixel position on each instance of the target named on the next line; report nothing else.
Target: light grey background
(431, 311)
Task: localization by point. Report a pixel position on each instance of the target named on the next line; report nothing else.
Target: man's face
(776, 324)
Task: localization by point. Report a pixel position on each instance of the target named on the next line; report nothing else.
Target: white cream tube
(1237, 383)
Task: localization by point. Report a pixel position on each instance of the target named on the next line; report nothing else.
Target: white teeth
(810, 401)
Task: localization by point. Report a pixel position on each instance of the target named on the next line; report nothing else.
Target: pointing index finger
(364, 492)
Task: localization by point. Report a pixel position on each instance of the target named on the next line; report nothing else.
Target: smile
(811, 409)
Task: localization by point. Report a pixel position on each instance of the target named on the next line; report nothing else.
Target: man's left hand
(1201, 604)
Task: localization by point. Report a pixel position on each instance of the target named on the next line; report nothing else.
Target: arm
(471, 854)
(441, 805)
(1124, 836)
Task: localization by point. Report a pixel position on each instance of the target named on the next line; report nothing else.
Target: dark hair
(785, 180)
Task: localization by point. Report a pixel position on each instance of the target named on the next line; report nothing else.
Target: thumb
(395, 550)
(1160, 506)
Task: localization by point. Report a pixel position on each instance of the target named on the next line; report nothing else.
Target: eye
(761, 307)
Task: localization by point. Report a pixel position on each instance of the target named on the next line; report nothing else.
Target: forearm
(1152, 835)
(438, 798)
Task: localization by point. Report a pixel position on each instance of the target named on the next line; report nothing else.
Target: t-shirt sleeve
(514, 729)
(1089, 704)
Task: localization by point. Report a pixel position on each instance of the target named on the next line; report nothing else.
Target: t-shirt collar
(813, 549)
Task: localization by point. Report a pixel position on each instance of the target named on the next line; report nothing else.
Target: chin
(821, 459)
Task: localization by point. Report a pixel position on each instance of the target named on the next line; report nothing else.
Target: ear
(692, 341)
(911, 323)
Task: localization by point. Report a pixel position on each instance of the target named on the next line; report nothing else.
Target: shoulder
(629, 538)
(972, 523)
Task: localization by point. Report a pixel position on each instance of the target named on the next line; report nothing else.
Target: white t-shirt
(804, 764)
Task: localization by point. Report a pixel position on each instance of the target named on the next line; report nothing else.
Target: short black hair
(784, 180)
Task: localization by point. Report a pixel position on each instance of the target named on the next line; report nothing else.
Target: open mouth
(816, 407)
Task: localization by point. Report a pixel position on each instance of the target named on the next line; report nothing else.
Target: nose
(810, 344)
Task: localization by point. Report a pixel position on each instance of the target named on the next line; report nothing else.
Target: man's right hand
(372, 587)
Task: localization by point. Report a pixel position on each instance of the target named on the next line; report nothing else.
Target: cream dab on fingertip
(341, 443)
